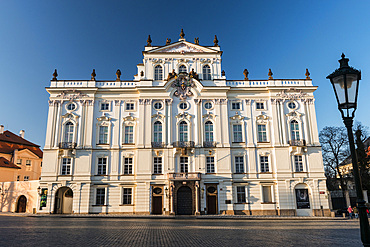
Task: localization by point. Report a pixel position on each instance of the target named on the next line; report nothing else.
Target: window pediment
(262, 118)
(129, 120)
(293, 114)
(183, 115)
(209, 116)
(291, 94)
(158, 116)
(237, 117)
(70, 115)
(104, 118)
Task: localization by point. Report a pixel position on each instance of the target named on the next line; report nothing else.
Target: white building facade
(182, 139)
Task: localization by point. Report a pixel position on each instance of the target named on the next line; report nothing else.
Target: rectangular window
(239, 164)
(102, 166)
(18, 177)
(298, 163)
(129, 134)
(264, 160)
(235, 106)
(66, 166)
(127, 196)
(28, 162)
(127, 169)
(104, 106)
(267, 196)
(26, 178)
(184, 166)
(260, 106)
(130, 106)
(238, 133)
(210, 164)
(19, 161)
(262, 134)
(157, 165)
(103, 134)
(240, 193)
(100, 196)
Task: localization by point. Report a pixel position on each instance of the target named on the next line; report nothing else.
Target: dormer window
(206, 72)
(182, 69)
(158, 73)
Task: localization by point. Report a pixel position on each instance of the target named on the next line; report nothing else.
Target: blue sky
(77, 36)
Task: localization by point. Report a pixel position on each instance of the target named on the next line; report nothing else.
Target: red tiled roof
(7, 164)
(8, 136)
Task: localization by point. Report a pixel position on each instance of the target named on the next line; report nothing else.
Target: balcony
(297, 143)
(180, 144)
(209, 144)
(158, 144)
(67, 145)
(184, 176)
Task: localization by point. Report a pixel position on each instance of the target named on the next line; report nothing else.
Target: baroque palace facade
(182, 139)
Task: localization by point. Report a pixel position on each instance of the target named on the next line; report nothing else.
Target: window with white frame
(294, 130)
(157, 131)
(184, 164)
(26, 178)
(104, 106)
(127, 166)
(239, 164)
(103, 134)
(262, 133)
(130, 106)
(28, 162)
(183, 131)
(18, 177)
(68, 132)
(66, 166)
(235, 105)
(100, 196)
(264, 162)
(240, 194)
(157, 169)
(260, 105)
(237, 133)
(298, 163)
(267, 193)
(206, 72)
(182, 69)
(19, 161)
(102, 166)
(208, 130)
(127, 196)
(129, 134)
(158, 73)
(210, 164)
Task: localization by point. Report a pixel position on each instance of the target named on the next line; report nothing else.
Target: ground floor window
(127, 169)
(298, 163)
(102, 166)
(210, 163)
(240, 193)
(267, 195)
(127, 196)
(157, 165)
(66, 166)
(100, 196)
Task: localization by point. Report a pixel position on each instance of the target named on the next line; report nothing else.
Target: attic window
(7, 135)
(6, 162)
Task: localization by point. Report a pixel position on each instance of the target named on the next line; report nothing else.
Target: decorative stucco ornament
(183, 84)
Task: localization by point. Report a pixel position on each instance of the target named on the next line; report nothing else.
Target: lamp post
(345, 81)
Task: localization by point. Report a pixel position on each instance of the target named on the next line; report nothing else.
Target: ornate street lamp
(345, 81)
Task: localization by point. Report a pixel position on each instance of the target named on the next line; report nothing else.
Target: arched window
(157, 131)
(206, 72)
(183, 131)
(182, 69)
(294, 130)
(158, 73)
(68, 132)
(208, 129)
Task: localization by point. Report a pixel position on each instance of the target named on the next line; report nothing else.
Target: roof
(10, 141)
(7, 164)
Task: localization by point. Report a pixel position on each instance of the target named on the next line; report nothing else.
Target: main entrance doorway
(212, 199)
(63, 201)
(302, 198)
(184, 201)
(157, 201)
(22, 204)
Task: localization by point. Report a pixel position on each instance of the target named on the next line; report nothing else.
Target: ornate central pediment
(183, 47)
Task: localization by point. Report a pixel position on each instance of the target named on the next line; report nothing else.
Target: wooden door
(211, 204)
(184, 201)
(157, 205)
(22, 204)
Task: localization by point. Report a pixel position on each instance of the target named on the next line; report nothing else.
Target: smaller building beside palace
(181, 138)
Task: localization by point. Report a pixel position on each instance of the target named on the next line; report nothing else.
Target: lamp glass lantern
(345, 81)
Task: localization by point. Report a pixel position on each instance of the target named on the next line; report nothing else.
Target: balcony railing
(67, 145)
(297, 143)
(158, 144)
(209, 144)
(184, 176)
(181, 144)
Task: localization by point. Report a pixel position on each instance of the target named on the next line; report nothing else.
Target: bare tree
(363, 158)
(335, 150)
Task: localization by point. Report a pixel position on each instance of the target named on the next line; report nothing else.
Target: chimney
(1, 129)
(21, 133)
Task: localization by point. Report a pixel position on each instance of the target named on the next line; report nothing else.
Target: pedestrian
(350, 212)
(355, 211)
(367, 211)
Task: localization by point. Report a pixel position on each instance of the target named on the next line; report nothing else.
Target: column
(171, 198)
(50, 125)
(197, 198)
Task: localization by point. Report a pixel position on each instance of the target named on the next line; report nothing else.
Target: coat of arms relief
(183, 84)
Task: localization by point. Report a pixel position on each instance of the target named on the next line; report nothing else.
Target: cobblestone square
(57, 231)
